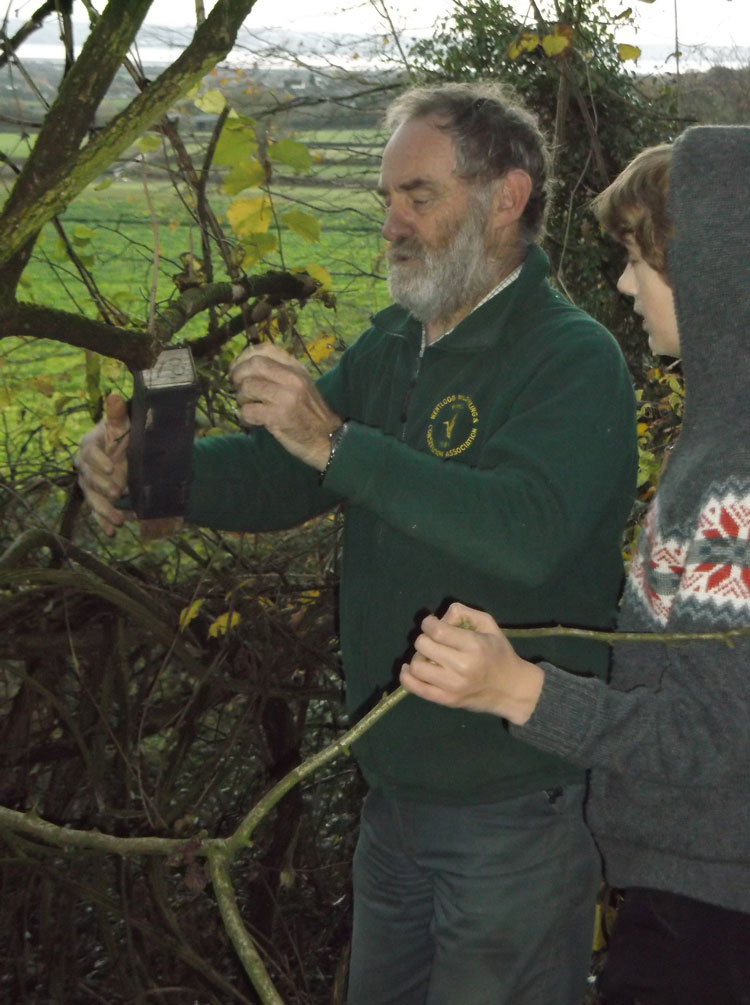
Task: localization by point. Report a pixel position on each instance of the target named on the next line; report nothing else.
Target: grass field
(132, 233)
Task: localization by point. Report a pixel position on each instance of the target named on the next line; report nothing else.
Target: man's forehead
(417, 155)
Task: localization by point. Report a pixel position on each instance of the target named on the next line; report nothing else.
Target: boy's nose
(626, 282)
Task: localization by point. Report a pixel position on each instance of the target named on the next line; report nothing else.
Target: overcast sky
(712, 22)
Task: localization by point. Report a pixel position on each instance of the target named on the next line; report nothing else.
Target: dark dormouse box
(162, 429)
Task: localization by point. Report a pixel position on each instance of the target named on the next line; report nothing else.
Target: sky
(710, 22)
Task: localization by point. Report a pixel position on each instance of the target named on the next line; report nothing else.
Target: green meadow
(130, 230)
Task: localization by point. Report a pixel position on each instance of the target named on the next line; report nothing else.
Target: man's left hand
(274, 390)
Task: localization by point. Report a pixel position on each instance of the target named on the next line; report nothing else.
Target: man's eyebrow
(409, 186)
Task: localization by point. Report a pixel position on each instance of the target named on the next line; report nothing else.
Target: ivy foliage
(564, 63)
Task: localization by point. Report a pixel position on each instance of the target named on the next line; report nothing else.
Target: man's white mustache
(405, 248)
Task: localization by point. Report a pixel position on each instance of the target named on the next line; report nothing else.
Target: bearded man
(480, 438)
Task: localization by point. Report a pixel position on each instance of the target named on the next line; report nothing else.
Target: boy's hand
(463, 660)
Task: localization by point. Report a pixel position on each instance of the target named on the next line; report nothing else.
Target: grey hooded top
(669, 740)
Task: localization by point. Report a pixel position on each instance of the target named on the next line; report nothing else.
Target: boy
(669, 740)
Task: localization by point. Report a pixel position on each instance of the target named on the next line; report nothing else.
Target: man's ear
(510, 197)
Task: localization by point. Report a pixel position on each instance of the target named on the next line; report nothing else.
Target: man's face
(436, 225)
(654, 301)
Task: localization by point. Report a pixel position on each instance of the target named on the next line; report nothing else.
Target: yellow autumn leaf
(309, 596)
(642, 428)
(559, 39)
(187, 614)
(527, 41)
(250, 215)
(320, 273)
(321, 348)
(626, 52)
(224, 623)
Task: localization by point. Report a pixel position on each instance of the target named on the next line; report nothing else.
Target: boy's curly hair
(635, 205)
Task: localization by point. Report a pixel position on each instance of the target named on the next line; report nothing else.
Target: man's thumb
(116, 413)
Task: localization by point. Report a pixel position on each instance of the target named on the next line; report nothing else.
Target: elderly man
(480, 436)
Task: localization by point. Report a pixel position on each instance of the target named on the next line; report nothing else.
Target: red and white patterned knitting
(712, 569)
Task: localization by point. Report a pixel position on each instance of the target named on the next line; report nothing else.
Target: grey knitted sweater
(669, 740)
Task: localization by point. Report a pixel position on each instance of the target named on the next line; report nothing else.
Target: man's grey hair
(492, 134)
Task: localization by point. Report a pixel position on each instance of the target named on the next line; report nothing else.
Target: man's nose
(396, 224)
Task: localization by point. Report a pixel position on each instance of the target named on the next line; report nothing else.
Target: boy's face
(653, 301)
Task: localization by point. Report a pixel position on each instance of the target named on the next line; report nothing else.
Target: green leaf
(93, 379)
(211, 102)
(147, 144)
(304, 224)
(295, 155)
(104, 183)
(256, 247)
(249, 174)
(83, 234)
(236, 144)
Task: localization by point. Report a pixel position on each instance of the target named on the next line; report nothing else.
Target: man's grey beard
(449, 278)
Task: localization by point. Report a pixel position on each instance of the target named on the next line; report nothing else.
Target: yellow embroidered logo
(453, 426)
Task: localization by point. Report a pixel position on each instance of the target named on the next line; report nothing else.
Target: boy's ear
(511, 195)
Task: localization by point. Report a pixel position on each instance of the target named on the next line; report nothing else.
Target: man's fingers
(275, 366)
(116, 411)
(266, 350)
(116, 426)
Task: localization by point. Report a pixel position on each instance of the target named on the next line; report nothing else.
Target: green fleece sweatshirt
(497, 468)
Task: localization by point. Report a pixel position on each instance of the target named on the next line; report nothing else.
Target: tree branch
(40, 195)
(133, 347)
(136, 348)
(33, 24)
(221, 852)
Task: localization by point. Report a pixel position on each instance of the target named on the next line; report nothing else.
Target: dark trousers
(667, 949)
(473, 905)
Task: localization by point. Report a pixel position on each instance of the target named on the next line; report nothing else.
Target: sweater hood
(709, 266)
(692, 569)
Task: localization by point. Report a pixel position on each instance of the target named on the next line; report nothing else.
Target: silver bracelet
(335, 439)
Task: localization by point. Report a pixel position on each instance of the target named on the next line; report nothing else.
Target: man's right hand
(102, 464)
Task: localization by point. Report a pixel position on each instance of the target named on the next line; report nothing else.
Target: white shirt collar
(502, 285)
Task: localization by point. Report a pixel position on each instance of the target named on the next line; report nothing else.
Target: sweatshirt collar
(481, 328)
